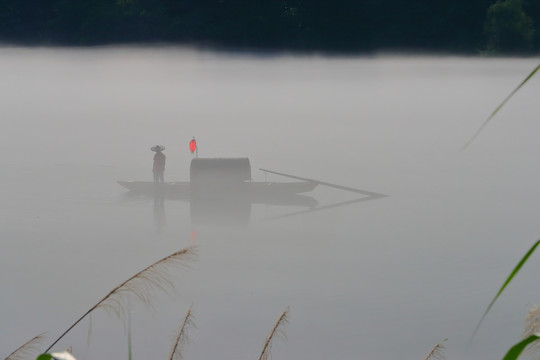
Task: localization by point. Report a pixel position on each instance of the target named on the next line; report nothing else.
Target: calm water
(381, 279)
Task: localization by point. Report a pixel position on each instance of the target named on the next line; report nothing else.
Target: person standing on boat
(159, 163)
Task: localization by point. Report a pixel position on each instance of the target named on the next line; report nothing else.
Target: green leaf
(500, 106)
(517, 349)
(44, 357)
(510, 277)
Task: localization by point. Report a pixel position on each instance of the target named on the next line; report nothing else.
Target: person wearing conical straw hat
(159, 163)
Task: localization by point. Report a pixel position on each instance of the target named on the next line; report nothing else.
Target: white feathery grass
(437, 353)
(63, 355)
(181, 338)
(532, 327)
(26, 350)
(532, 321)
(277, 331)
(141, 285)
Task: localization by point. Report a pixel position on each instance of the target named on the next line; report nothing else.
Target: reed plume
(532, 321)
(26, 349)
(63, 355)
(532, 327)
(437, 353)
(141, 285)
(181, 337)
(276, 331)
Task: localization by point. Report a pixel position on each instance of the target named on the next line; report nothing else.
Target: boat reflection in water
(159, 212)
(221, 191)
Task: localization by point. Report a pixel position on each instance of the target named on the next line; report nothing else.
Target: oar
(358, 191)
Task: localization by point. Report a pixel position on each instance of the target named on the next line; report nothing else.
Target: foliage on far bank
(465, 26)
(508, 28)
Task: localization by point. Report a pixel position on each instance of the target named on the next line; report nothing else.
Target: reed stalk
(276, 331)
(25, 350)
(181, 337)
(437, 353)
(140, 285)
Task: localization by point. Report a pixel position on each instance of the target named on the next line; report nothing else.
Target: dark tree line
(462, 26)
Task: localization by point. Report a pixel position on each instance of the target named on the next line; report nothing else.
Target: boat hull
(285, 193)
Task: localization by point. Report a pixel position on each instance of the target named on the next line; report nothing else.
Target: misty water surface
(382, 279)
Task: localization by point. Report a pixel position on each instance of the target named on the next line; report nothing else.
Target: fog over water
(382, 279)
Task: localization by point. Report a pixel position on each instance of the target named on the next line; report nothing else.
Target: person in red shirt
(159, 163)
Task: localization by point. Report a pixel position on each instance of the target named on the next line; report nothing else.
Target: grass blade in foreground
(499, 107)
(517, 349)
(510, 277)
(130, 345)
(44, 357)
(141, 285)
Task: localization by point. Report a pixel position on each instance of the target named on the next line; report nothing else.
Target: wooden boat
(255, 189)
(226, 179)
(221, 191)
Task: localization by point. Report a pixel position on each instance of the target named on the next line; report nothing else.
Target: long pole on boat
(369, 193)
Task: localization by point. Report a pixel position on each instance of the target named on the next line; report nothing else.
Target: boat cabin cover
(220, 170)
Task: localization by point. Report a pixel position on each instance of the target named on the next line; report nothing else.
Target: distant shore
(486, 27)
